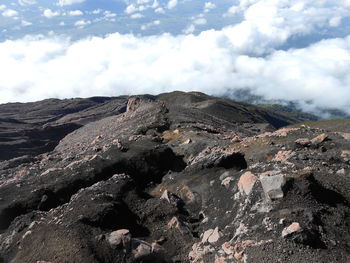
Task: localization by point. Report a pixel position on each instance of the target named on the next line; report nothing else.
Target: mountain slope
(35, 128)
(179, 177)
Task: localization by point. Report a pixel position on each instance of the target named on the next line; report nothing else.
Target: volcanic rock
(273, 186)
(294, 227)
(246, 183)
(178, 177)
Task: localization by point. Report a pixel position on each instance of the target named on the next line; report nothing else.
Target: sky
(295, 50)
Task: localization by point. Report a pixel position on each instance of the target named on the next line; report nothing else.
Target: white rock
(294, 227)
(215, 236)
(273, 186)
(119, 237)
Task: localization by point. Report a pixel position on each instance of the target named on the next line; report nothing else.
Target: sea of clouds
(254, 54)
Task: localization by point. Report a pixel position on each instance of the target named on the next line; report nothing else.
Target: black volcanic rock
(34, 128)
(178, 177)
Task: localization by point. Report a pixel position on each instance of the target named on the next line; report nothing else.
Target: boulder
(212, 236)
(319, 139)
(294, 227)
(120, 238)
(140, 248)
(246, 183)
(303, 142)
(227, 182)
(283, 156)
(133, 104)
(273, 186)
(215, 236)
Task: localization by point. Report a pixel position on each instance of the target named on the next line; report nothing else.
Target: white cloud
(208, 6)
(189, 29)
(143, 1)
(274, 22)
(48, 13)
(96, 11)
(2, 7)
(130, 9)
(346, 2)
(75, 13)
(159, 10)
(335, 21)
(126, 64)
(136, 16)
(200, 21)
(10, 13)
(82, 23)
(69, 2)
(241, 56)
(151, 24)
(27, 2)
(171, 4)
(232, 11)
(317, 74)
(26, 23)
(109, 14)
(155, 4)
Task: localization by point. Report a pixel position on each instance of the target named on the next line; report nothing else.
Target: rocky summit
(178, 177)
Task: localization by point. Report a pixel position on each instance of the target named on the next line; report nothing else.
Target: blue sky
(82, 18)
(297, 50)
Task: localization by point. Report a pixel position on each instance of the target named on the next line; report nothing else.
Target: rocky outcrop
(179, 177)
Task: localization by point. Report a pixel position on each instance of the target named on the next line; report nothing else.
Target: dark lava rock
(178, 177)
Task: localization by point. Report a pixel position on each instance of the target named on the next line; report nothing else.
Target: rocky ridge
(180, 177)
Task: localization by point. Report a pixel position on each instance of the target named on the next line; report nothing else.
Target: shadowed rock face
(179, 177)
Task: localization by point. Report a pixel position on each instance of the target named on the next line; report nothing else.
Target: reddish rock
(140, 248)
(220, 260)
(345, 155)
(246, 183)
(283, 156)
(236, 139)
(239, 255)
(176, 223)
(212, 236)
(345, 135)
(284, 131)
(206, 235)
(215, 236)
(120, 237)
(187, 194)
(319, 139)
(188, 141)
(133, 104)
(50, 170)
(199, 252)
(228, 248)
(226, 182)
(294, 227)
(304, 142)
(303, 173)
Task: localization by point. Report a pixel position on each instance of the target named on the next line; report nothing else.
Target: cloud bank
(242, 56)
